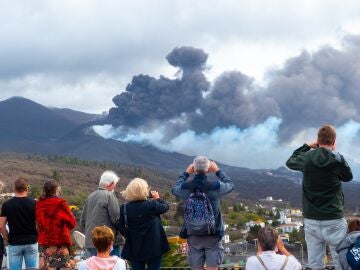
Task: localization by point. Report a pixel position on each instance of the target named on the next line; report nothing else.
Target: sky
(90, 51)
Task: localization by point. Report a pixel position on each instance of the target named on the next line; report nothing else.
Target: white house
(283, 218)
(251, 223)
(226, 239)
(288, 228)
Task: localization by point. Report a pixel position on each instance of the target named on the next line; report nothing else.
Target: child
(350, 238)
(103, 238)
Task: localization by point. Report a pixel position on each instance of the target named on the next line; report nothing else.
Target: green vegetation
(174, 259)
(240, 218)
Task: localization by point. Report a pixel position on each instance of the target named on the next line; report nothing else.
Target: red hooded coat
(54, 221)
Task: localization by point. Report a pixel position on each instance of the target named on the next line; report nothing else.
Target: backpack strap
(262, 262)
(285, 263)
(125, 217)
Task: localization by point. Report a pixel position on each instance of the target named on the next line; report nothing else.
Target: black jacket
(323, 170)
(145, 236)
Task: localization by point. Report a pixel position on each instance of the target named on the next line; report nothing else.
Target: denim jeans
(153, 264)
(92, 252)
(318, 233)
(28, 252)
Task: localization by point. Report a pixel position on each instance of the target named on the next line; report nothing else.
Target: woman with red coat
(54, 223)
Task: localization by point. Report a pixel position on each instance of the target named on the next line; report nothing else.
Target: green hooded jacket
(323, 170)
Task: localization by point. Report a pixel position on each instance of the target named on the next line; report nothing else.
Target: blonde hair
(136, 190)
(102, 238)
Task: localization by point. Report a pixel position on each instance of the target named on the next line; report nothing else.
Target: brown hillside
(78, 177)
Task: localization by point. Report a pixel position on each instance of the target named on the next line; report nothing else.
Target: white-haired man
(207, 248)
(101, 208)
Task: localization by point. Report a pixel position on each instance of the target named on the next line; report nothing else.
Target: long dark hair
(49, 189)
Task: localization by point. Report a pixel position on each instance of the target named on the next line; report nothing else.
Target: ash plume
(318, 88)
(309, 90)
(148, 100)
(234, 100)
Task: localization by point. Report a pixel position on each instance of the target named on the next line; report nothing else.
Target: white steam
(255, 147)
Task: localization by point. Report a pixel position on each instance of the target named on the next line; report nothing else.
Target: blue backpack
(199, 217)
(353, 255)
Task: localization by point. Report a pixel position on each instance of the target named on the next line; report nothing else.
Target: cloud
(90, 94)
(76, 40)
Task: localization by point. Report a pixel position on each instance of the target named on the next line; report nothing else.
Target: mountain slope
(23, 119)
(76, 116)
(28, 127)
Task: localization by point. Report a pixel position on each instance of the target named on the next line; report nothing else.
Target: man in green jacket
(323, 200)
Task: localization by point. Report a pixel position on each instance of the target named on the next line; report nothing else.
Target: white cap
(107, 178)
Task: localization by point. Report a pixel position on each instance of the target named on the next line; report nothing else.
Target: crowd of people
(38, 231)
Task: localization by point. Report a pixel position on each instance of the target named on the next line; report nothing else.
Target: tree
(260, 211)
(294, 236)
(275, 223)
(56, 176)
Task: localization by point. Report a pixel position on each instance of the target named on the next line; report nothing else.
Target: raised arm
(177, 189)
(344, 171)
(160, 206)
(226, 185)
(297, 160)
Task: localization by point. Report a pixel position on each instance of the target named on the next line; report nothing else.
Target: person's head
(21, 185)
(51, 188)
(136, 190)
(267, 238)
(326, 135)
(201, 164)
(108, 180)
(354, 225)
(102, 238)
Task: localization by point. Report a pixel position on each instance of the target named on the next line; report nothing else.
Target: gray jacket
(101, 208)
(343, 247)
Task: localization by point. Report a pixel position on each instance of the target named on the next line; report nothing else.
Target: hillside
(80, 177)
(28, 127)
(22, 119)
(76, 116)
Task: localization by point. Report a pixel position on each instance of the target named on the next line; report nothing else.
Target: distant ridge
(76, 116)
(23, 119)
